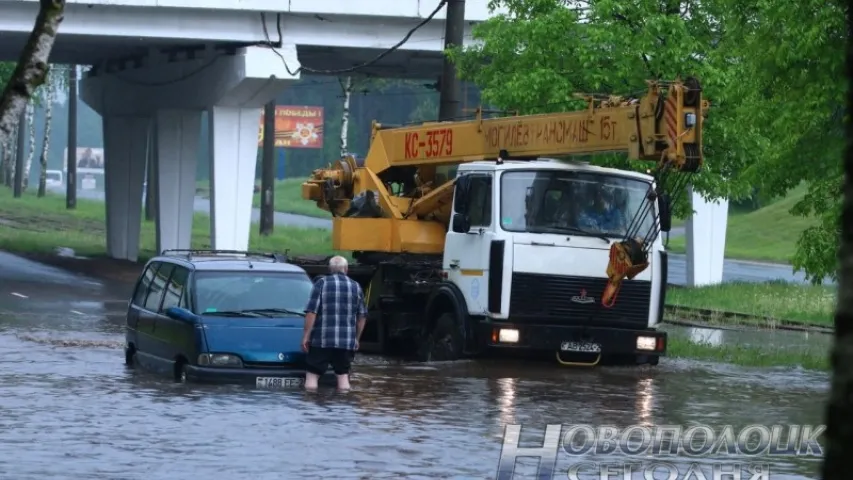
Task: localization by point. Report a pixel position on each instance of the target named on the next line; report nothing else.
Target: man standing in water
(334, 320)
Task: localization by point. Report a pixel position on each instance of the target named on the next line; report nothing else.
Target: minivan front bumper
(249, 376)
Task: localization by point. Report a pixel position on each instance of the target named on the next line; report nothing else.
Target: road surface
(72, 410)
(733, 270)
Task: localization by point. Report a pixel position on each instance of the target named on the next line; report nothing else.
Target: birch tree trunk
(32, 67)
(48, 117)
(347, 87)
(4, 149)
(31, 114)
(9, 158)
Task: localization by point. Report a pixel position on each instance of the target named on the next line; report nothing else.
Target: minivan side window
(144, 284)
(158, 287)
(175, 289)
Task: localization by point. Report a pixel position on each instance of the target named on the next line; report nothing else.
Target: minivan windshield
(260, 292)
(573, 203)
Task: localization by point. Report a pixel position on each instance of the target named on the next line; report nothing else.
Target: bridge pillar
(705, 232)
(234, 149)
(177, 135)
(125, 150)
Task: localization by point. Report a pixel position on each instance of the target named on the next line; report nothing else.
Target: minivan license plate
(279, 382)
(581, 347)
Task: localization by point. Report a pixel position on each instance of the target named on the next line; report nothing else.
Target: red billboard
(296, 127)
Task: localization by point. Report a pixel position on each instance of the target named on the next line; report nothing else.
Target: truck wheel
(444, 343)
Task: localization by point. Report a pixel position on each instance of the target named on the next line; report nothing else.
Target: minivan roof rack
(189, 253)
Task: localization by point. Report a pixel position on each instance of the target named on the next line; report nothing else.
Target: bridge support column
(125, 149)
(233, 159)
(177, 135)
(706, 240)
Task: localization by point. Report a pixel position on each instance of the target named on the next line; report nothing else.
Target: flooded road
(70, 409)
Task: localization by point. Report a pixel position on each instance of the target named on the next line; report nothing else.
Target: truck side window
(175, 288)
(144, 284)
(480, 201)
(158, 287)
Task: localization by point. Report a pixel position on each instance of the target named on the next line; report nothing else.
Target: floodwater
(70, 409)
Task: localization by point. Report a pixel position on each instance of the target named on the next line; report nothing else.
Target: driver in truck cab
(600, 213)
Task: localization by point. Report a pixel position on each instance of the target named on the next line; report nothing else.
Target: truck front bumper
(572, 338)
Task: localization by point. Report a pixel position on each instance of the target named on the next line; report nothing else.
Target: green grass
(749, 356)
(778, 300)
(288, 199)
(40, 225)
(768, 234)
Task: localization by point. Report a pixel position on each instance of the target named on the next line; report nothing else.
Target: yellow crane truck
(516, 251)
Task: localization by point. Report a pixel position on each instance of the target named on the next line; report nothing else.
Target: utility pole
(268, 171)
(448, 106)
(454, 29)
(71, 159)
(18, 187)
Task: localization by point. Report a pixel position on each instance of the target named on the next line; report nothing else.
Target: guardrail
(701, 317)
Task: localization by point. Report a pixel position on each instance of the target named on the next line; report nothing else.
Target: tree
(32, 67)
(535, 58)
(346, 87)
(31, 131)
(758, 131)
(50, 91)
(839, 412)
(794, 56)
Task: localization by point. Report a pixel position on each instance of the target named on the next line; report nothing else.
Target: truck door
(466, 255)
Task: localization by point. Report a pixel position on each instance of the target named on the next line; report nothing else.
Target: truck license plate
(279, 382)
(582, 347)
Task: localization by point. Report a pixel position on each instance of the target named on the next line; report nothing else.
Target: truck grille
(549, 299)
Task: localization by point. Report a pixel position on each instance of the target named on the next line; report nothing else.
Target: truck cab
(528, 246)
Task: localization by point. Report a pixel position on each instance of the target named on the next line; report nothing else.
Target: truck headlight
(647, 343)
(690, 120)
(508, 335)
(220, 360)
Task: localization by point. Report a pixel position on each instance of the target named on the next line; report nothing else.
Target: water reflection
(506, 401)
(645, 401)
(706, 336)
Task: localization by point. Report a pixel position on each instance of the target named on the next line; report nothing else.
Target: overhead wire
(269, 43)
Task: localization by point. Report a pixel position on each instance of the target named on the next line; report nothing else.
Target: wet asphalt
(70, 409)
(733, 270)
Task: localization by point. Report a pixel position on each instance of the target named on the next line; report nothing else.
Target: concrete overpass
(158, 64)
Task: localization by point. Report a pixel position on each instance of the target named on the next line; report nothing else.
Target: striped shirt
(338, 302)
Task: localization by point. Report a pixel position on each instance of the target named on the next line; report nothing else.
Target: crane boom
(646, 129)
(403, 204)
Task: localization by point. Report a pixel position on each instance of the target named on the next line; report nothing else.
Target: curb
(748, 322)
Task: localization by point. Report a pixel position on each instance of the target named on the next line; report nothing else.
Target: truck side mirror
(461, 189)
(664, 212)
(460, 223)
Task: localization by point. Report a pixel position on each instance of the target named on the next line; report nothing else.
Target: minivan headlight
(220, 360)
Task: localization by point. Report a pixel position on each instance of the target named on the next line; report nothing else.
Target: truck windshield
(574, 203)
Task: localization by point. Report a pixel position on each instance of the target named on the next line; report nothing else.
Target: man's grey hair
(338, 264)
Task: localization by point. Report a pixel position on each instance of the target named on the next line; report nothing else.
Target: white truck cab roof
(548, 164)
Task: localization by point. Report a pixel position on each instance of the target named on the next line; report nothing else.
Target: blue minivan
(220, 316)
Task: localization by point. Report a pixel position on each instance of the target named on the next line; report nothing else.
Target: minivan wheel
(129, 356)
(181, 372)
